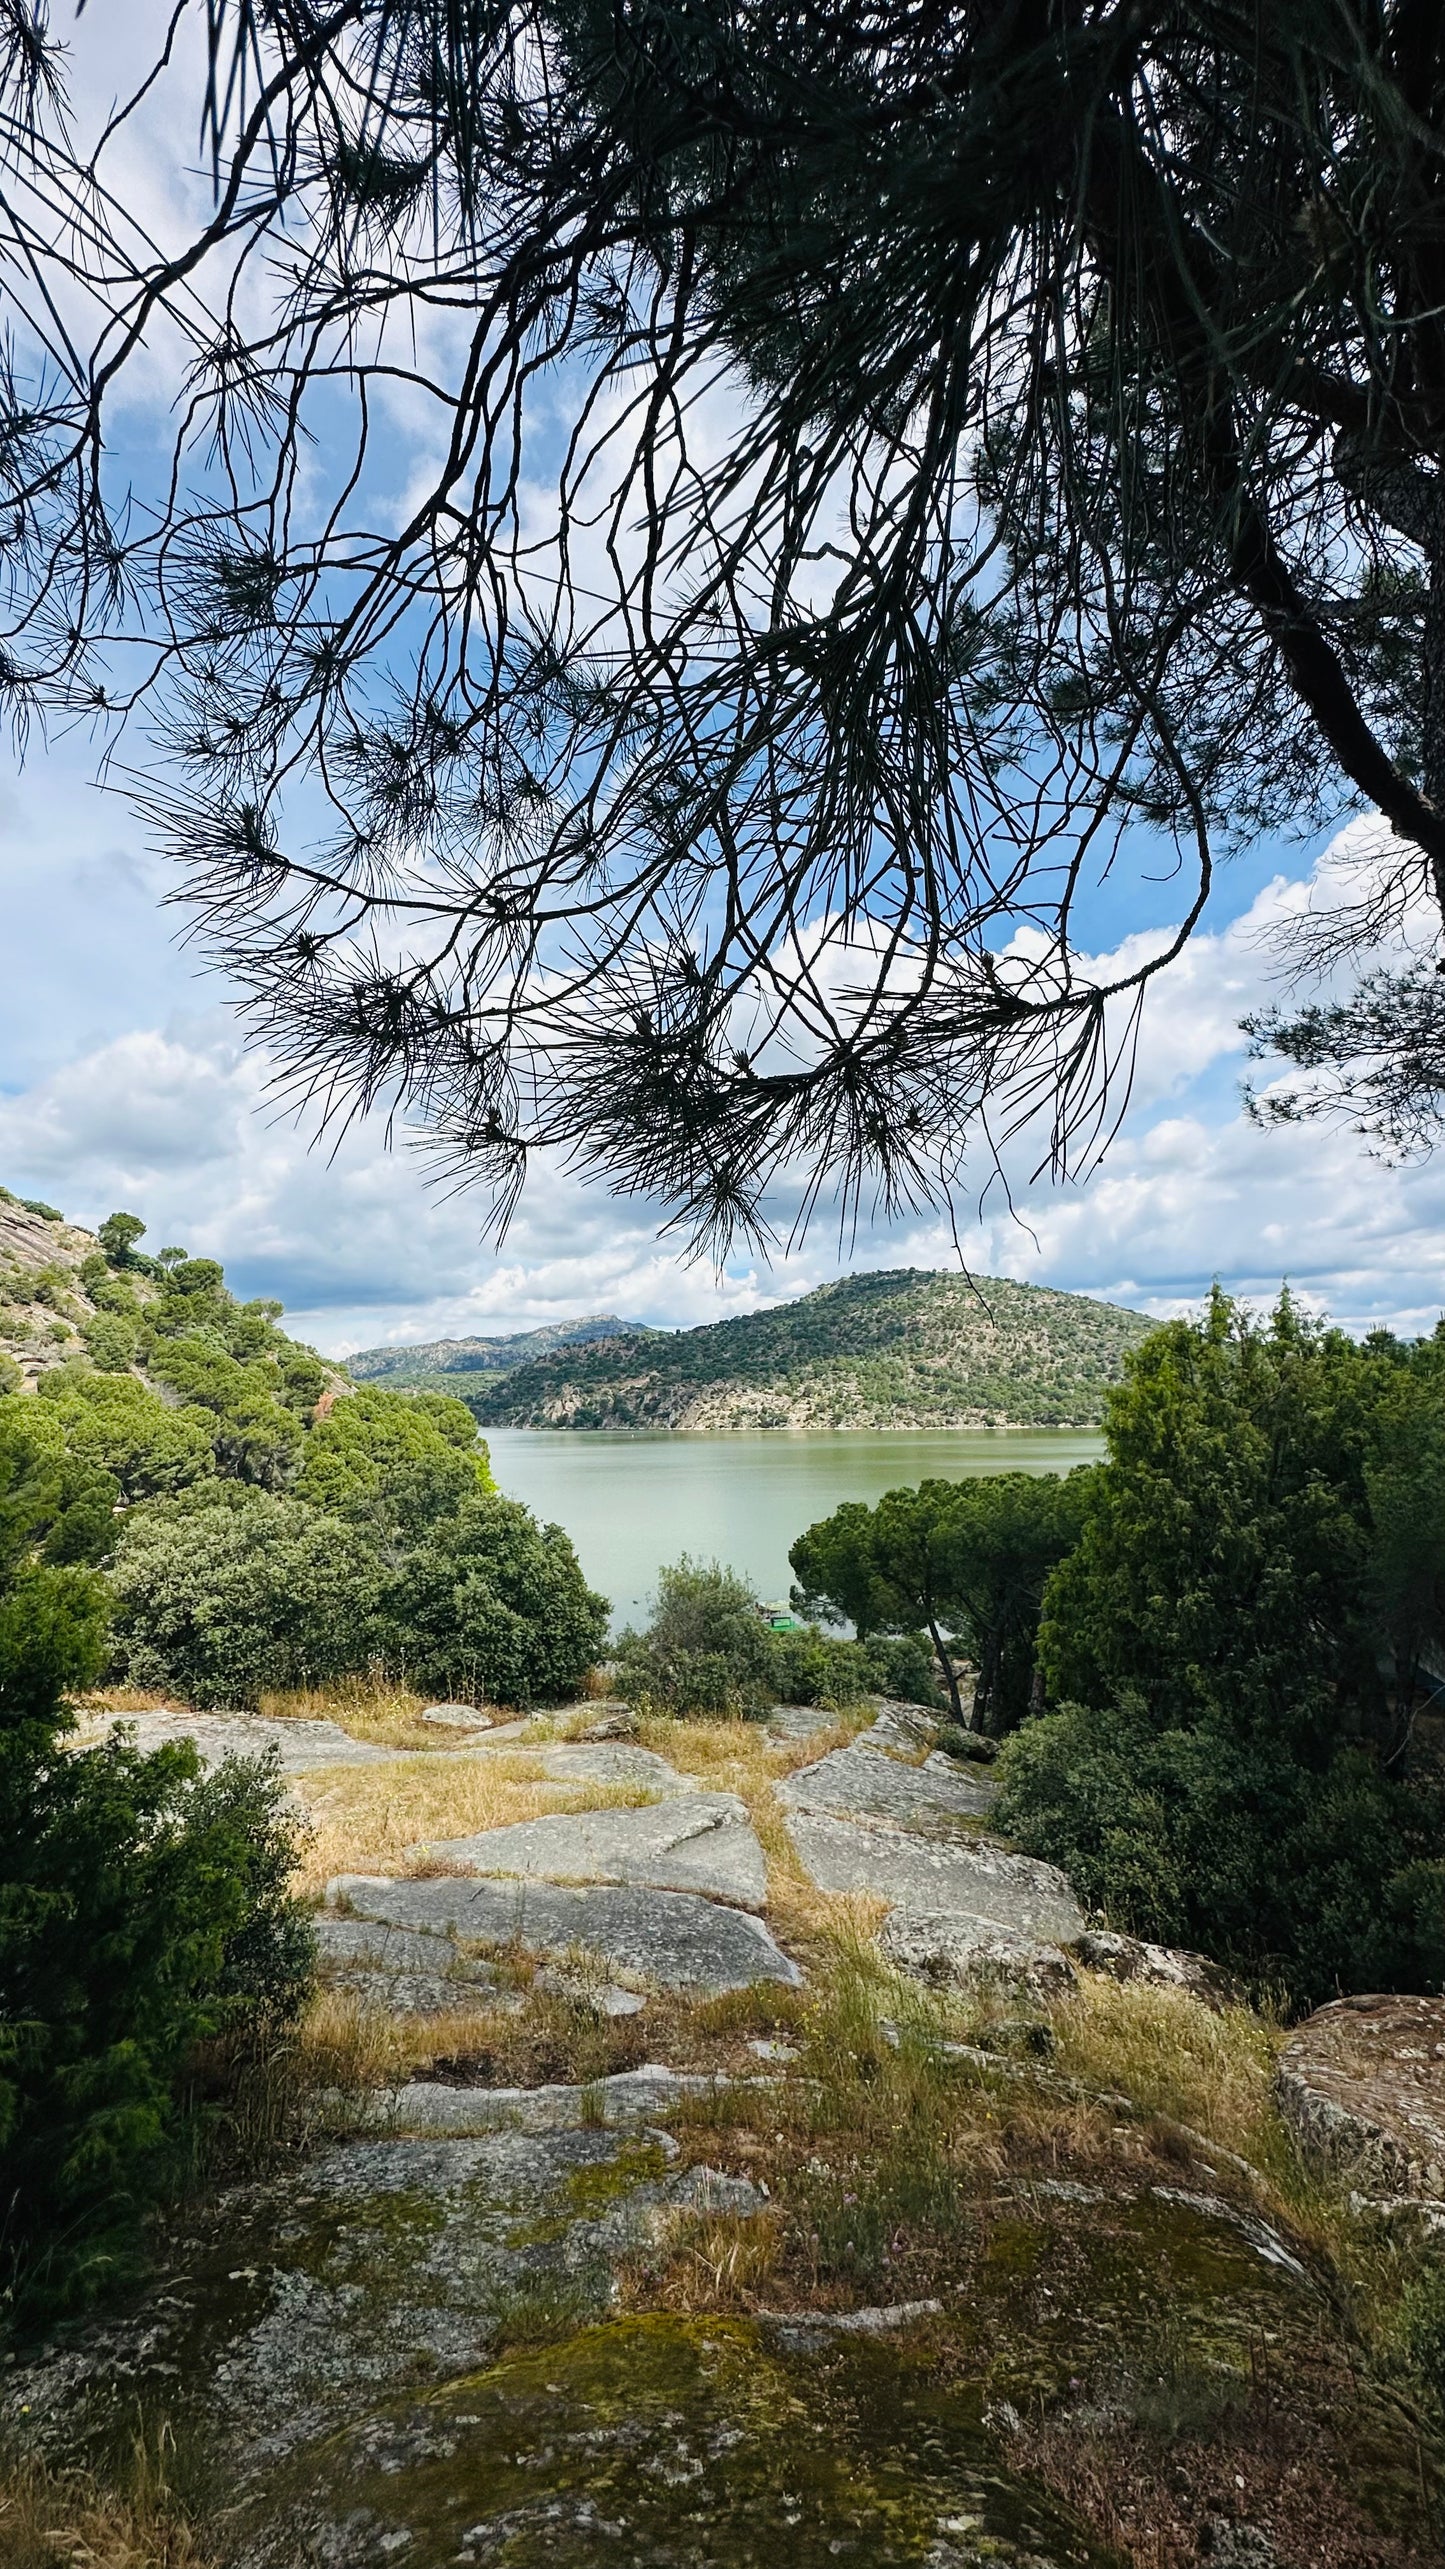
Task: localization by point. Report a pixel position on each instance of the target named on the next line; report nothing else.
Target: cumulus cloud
(172, 1121)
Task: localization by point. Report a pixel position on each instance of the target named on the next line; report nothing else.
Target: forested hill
(409, 1368)
(912, 1348)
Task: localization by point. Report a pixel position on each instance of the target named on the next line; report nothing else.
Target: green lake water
(632, 1502)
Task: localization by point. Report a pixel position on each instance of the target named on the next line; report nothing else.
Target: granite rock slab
(961, 1878)
(673, 1938)
(965, 1952)
(431, 2107)
(693, 1842)
(799, 1721)
(858, 1781)
(298, 1745)
(1362, 2083)
(909, 1730)
(610, 1718)
(457, 1717)
(403, 1970)
(1133, 1958)
(381, 2264)
(614, 1762)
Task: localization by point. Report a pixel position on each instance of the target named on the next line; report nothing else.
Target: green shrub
(706, 1650)
(815, 1667)
(903, 1667)
(1244, 1626)
(47, 1212)
(492, 1604)
(223, 1595)
(142, 1908)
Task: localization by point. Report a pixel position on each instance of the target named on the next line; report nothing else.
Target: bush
(228, 1593)
(1244, 1626)
(706, 1650)
(142, 1909)
(494, 1605)
(816, 1667)
(903, 1667)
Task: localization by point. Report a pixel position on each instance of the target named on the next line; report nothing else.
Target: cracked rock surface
(693, 1842)
(298, 1745)
(675, 1938)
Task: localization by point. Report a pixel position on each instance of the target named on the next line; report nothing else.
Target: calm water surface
(631, 1503)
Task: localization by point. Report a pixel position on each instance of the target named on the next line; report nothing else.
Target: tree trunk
(949, 1679)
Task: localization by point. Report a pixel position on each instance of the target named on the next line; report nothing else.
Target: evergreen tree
(973, 433)
(1243, 1640)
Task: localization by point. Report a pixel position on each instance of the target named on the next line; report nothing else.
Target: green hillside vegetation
(260, 1523)
(911, 1348)
(428, 1365)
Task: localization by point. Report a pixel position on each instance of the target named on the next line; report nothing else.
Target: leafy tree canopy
(241, 1592)
(394, 1461)
(493, 1604)
(115, 1423)
(967, 1557)
(974, 434)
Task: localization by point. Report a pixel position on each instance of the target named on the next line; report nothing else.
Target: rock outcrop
(675, 1938)
(1362, 2083)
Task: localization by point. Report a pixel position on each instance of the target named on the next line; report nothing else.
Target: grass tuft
(368, 1819)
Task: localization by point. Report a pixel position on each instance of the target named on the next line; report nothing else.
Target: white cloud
(173, 1122)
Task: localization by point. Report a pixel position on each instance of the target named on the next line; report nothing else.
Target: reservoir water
(633, 1502)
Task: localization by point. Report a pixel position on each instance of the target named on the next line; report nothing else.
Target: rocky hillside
(96, 1304)
(430, 1366)
(911, 1348)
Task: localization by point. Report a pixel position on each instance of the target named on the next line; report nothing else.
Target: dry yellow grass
(48, 2517)
(371, 1707)
(710, 2262)
(128, 1699)
(367, 1819)
(740, 1757)
(1176, 2058)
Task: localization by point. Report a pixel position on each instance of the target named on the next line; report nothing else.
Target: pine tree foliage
(865, 462)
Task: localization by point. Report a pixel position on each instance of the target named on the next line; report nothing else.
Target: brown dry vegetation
(383, 1819)
(369, 1706)
(135, 2521)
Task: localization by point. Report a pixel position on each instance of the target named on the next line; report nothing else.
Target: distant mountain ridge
(407, 1367)
(913, 1347)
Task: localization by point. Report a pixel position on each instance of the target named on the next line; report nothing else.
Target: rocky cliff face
(43, 1302)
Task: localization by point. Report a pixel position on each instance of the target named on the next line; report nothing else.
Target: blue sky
(123, 1082)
